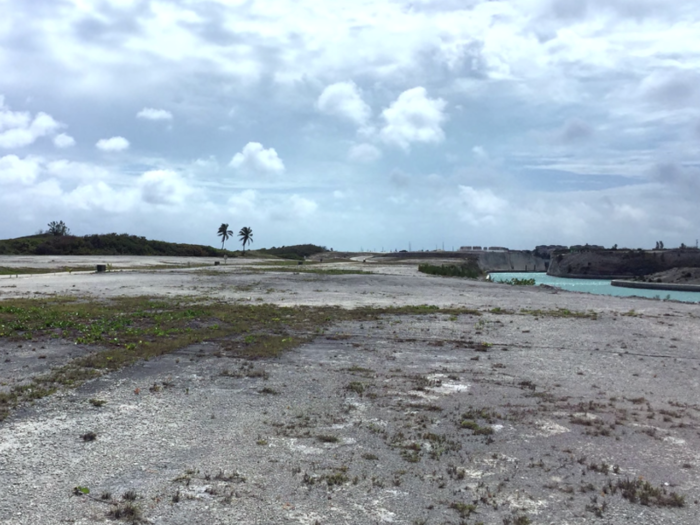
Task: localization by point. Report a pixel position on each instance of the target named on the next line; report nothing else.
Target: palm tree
(246, 236)
(58, 228)
(224, 233)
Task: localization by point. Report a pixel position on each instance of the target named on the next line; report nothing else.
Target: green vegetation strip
(560, 312)
(470, 271)
(5, 270)
(518, 282)
(303, 269)
(126, 330)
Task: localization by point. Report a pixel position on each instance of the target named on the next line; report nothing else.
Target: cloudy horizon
(367, 124)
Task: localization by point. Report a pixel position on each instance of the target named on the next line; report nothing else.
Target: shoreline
(671, 287)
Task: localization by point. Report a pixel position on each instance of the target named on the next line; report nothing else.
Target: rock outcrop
(620, 264)
(512, 261)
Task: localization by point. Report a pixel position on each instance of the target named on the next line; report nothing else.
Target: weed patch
(126, 330)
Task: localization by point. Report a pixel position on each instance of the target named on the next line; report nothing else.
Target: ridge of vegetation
(297, 252)
(104, 244)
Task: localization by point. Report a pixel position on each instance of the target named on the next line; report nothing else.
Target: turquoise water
(598, 286)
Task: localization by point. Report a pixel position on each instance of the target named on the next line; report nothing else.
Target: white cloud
(254, 158)
(245, 204)
(343, 99)
(365, 153)
(63, 141)
(480, 206)
(414, 117)
(290, 208)
(16, 170)
(250, 205)
(101, 196)
(71, 171)
(163, 187)
(112, 144)
(12, 119)
(154, 114)
(18, 129)
(301, 206)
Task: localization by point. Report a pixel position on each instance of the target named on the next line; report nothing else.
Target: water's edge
(597, 286)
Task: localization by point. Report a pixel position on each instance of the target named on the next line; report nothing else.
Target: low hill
(108, 244)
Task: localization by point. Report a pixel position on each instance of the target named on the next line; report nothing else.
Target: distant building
(497, 249)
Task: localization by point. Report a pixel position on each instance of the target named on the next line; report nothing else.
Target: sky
(363, 124)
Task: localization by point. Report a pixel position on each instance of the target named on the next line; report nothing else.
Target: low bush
(470, 271)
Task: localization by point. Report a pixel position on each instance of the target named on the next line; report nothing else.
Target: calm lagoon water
(597, 286)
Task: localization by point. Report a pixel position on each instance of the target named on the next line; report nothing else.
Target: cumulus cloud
(154, 114)
(255, 158)
(480, 205)
(15, 170)
(251, 204)
(343, 99)
(63, 141)
(76, 171)
(113, 144)
(414, 117)
(101, 196)
(18, 129)
(364, 153)
(163, 187)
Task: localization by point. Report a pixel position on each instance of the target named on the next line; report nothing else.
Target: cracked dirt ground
(579, 409)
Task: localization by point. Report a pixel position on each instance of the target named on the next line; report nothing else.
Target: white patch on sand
(674, 440)
(550, 428)
(446, 387)
(525, 502)
(304, 449)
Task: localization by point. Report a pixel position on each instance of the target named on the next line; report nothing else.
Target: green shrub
(518, 282)
(467, 270)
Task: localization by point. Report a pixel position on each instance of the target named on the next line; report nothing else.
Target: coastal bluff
(620, 264)
(488, 261)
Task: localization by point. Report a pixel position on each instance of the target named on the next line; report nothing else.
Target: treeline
(108, 244)
(297, 252)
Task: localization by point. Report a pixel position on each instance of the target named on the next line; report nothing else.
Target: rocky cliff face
(511, 261)
(620, 264)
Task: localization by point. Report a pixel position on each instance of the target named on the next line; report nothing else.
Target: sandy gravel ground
(503, 418)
